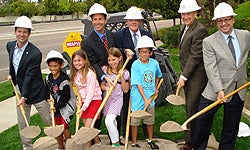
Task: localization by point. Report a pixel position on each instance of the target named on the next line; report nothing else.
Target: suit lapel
(128, 39)
(224, 45)
(24, 56)
(242, 41)
(98, 42)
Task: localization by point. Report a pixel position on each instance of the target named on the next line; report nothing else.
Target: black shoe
(152, 145)
(135, 145)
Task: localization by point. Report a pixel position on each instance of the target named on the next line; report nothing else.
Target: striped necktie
(105, 42)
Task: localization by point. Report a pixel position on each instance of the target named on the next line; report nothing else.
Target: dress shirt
(235, 43)
(17, 55)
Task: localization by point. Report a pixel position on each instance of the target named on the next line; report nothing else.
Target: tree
(51, 6)
(64, 7)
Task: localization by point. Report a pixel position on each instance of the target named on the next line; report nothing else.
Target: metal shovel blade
(85, 134)
(54, 131)
(30, 132)
(175, 100)
(140, 114)
(170, 127)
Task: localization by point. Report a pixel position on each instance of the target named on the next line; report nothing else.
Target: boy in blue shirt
(145, 75)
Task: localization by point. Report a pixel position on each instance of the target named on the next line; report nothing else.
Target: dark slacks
(230, 127)
(193, 89)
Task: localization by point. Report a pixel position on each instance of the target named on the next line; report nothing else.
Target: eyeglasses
(226, 20)
(144, 52)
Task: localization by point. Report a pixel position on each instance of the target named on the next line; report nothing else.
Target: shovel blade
(140, 114)
(85, 134)
(30, 132)
(170, 127)
(175, 100)
(54, 131)
(45, 143)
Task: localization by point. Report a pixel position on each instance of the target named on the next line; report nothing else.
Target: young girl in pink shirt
(82, 75)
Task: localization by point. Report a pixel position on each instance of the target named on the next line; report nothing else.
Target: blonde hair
(85, 69)
(116, 53)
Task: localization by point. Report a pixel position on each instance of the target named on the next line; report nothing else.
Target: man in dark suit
(126, 40)
(96, 45)
(225, 55)
(25, 59)
(193, 76)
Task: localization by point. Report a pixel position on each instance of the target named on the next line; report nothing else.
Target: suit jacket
(29, 76)
(96, 51)
(123, 40)
(220, 66)
(191, 56)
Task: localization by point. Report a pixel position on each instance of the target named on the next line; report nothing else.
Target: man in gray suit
(225, 56)
(193, 76)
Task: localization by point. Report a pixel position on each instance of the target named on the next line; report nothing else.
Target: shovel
(53, 131)
(175, 99)
(29, 131)
(79, 105)
(169, 127)
(90, 133)
(127, 126)
(142, 114)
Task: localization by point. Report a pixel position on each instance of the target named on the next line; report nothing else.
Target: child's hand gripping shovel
(29, 131)
(53, 131)
(85, 134)
(141, 114)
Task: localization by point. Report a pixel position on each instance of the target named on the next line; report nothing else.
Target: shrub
(170, 36)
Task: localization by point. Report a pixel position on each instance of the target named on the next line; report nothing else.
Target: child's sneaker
(135, 145)
(115, 145)
(152, 144)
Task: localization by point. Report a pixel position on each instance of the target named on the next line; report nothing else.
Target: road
(47, 36)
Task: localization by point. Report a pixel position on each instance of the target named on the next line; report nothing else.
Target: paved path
(8, 114)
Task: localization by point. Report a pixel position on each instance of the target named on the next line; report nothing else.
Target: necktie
(135, 39)
(105, 42)
(185, 30)
(231, 46)
(135, 44)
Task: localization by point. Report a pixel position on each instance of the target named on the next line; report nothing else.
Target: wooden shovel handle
(51, 102)
(154, 96)
(178, 89)
(184, 125)
(108, 94)
(79, 105)
(127, 126)
(20, 106)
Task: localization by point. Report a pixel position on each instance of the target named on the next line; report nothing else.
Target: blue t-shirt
(144, 75)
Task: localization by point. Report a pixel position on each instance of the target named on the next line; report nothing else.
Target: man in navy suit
(126, 40)
(24, 63)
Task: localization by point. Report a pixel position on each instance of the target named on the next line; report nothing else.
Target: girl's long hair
(85, 68)
(116, 53)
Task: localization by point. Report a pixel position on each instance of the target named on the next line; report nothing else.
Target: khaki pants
(43, 108)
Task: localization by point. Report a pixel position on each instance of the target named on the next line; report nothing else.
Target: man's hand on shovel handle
(221, 96)
(21, 102)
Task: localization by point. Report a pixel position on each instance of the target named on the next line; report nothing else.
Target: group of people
(212, 67)
(209, 71)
